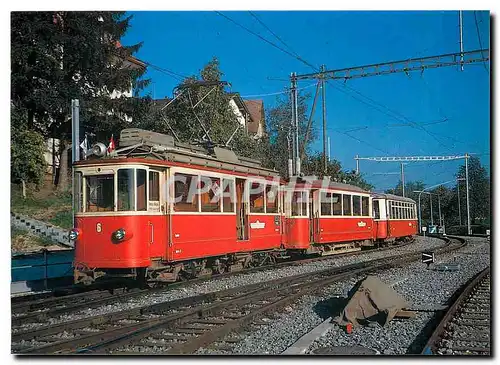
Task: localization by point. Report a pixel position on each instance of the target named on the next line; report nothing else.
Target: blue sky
(184, 41)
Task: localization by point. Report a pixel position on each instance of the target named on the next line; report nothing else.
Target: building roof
(256, 111)
(131, 59)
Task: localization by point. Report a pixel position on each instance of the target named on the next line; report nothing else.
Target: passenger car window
(337, 204)
(346, 204)
(356, 205)
(326, 203)
(210, 198)
(184, 200)
(365, 206)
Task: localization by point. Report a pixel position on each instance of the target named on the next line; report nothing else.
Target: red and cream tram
(156, 209)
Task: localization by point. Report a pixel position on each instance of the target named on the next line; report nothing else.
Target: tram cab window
(100, 193)
(227, 196)
(346, 200)
(210, 196)
(299, 204)
(186, 199)
(154, 191)
(256, 195)
(272, 199)
(356, 205)
(365, 206)
(326, 203)
(337, 204)
(376, 209)
(126, 190)
(142, 190)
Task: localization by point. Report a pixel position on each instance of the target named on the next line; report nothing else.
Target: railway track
(36, 308)
(184, 325)
(465, 329)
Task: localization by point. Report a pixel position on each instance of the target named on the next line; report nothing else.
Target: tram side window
(356, 205)
(326, 203)
(365, 206)
(210, 198)
(186, 200)
(337, 204)
(227, 196)
(376, 209)
(154, 191)
(271, 198)
(78, 191)
(299, 203)
(142, 191)
(100, 193)
(346, 200)
(257, 198)
(126, 187)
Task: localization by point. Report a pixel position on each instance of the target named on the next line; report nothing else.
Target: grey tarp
(370, 300)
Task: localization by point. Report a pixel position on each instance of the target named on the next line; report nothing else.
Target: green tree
(278, 121)
(26, 150)
(479, 191)
(59, 56)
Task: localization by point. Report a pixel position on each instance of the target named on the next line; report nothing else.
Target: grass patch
(23, 240)
(53, 208)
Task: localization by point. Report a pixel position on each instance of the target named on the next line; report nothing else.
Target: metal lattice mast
(426, 158)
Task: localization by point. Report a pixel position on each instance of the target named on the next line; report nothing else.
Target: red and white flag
(111, 146)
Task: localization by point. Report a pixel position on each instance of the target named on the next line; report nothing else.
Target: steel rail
(453, 312)
(169, 313)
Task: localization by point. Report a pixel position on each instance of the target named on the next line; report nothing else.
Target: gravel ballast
(425, 289)
(217, 284)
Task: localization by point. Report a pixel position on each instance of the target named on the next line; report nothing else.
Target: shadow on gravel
(329, 307)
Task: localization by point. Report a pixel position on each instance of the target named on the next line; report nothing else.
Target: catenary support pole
(432, 218)
(460, 22)
(357, 164)
(439, 209)
(459, 212)
(323, 92)
(469, 231)
(75, 146)
(293, 85)
(296, 105)
(403, 178)
(419, 214)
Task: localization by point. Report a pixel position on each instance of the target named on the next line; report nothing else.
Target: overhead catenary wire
(398, 115)
(479, 39)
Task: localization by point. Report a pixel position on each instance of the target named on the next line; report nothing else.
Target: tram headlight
(73, 234)
(119, 234)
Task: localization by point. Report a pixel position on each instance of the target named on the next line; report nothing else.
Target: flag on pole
(84, 147)
(111, 146)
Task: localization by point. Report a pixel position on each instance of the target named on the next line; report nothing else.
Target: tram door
(241, 211)
(314, 216)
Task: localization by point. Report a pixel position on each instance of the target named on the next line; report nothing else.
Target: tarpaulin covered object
(370, 300)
